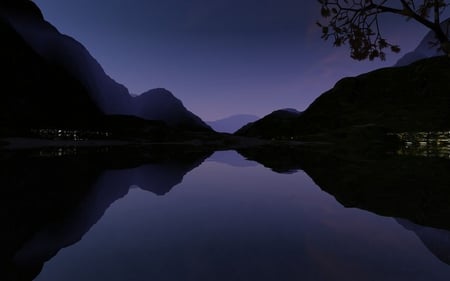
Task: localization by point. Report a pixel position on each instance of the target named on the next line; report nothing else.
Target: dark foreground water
(228, 219)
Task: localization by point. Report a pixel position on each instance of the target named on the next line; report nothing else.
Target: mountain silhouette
(412, 98)
(272, 124)
(110, 96)
(160, 104)
(38, 92)
(232, 123)
(425, 49)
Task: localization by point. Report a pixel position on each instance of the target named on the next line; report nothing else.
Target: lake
(220, 216)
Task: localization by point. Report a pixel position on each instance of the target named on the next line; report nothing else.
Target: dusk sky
(220, 57)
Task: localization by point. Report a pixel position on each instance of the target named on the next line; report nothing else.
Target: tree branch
(357, 22)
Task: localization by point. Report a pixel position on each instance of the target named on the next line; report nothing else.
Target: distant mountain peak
(158, 91)
(425, 48)
(232, 123)
(161, 104)
(272, 123)
(112, 98)
(414, 98)
(161, 94)
(27, 7)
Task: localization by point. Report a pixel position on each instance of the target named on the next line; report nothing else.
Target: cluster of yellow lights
(428, 144)
(76, 135)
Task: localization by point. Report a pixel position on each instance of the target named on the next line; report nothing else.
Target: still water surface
(233, 219)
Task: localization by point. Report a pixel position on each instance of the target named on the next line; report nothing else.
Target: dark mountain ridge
(160, 104)
(39, 100)
(111, 97)
(273, 124)
(412, 98)
(387, 109)
(39, 94)
(45, 39)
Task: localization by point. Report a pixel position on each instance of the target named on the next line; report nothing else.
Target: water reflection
(231, 158)
(414, 188)
(53, 201)
(229, 223)
(436, 240)
(228, 219)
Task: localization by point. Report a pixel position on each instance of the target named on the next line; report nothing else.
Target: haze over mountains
(111, 97)
(232, 123)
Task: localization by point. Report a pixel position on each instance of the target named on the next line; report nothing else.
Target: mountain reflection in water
(224, 222)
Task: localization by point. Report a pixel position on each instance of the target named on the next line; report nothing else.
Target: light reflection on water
(243, 223)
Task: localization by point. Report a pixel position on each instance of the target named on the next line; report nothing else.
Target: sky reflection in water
(243, 223)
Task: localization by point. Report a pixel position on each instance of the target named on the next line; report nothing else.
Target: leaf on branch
(325, 12)
(338, 42)
(356, 23)
(395, 49)
(373, 54)
(382, 43)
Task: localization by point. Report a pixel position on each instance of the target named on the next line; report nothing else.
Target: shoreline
(16, 143)
(225, 143)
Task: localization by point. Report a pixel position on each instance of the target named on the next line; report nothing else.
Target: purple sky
(220, 57)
